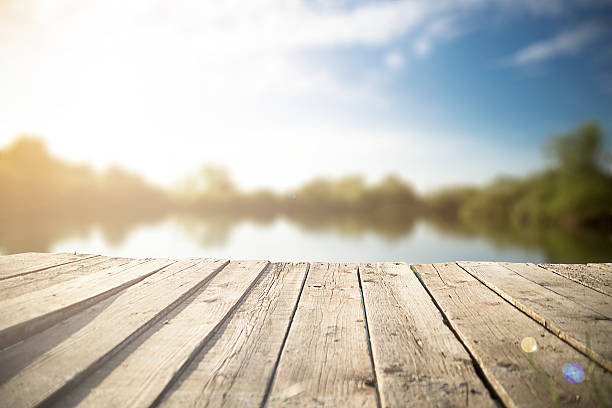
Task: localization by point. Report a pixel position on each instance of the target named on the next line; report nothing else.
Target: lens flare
(573, 372)
(529, 345)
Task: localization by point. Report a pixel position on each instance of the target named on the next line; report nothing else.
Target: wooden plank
(140, 306)
(417, 357)
(325, 360)
(587, 275)
(493, 329)
(588, 331)
(236, 365)
(138, 376)
(604, 266)
(30, 262)
(33, 312)
(20, 285)
(587, 297)
(18, 356)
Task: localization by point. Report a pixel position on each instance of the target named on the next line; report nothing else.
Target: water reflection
(298, 237)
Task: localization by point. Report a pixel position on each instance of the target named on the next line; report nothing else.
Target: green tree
(581, 150)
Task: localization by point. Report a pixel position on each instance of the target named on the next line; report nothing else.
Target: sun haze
(281, 91)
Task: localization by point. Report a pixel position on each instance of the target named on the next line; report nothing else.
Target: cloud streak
(567, 43)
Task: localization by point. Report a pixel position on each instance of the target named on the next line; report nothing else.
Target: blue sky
(469, 83)
(279, 92)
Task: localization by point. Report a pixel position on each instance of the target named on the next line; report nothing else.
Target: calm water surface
(281, 240)
(278, 238)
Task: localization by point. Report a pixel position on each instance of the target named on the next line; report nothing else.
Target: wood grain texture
(100, 331)
(20, 285)
(418, 360)
(30, 262)
(492, 330)
(235, 367)
(588, 331)
(138, 376)
(587, 275)
(604, 266)
(590, 299)
(18, 356)
(325, 361)
(129, 314)
(29, 313)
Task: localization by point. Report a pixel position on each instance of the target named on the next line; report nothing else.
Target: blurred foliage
(351, 195)
(564, 210)
(35, 183)
(211, 181)
(580, 151)
(576, 192)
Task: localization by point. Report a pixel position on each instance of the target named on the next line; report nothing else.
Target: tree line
(574, 192)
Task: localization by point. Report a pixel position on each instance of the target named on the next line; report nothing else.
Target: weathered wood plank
(418, 359)
(588, 331)
(32, 312)
(325, 360)
(605, 266)
(30, 262)
(131, 312)
(18, 356)
(585, 296)
(587, 275)
(20, 285)
(235, 367)
(492, 330)
(138, 376)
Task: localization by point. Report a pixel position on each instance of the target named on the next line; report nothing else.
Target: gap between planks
(367, 328)
(67, 363)
(64, 259)
(564, 316)
(492, 328)
(270, 383)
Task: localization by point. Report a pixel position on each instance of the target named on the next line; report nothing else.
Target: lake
(280, 238)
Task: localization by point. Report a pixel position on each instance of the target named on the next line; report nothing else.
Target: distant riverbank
(565, 210)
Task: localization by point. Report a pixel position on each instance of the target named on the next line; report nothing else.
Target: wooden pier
(90, 330)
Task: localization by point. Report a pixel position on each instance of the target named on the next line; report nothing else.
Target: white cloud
(564, 44)
(440, 29)
(394, 59)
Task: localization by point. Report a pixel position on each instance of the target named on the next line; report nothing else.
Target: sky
(281, 91)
